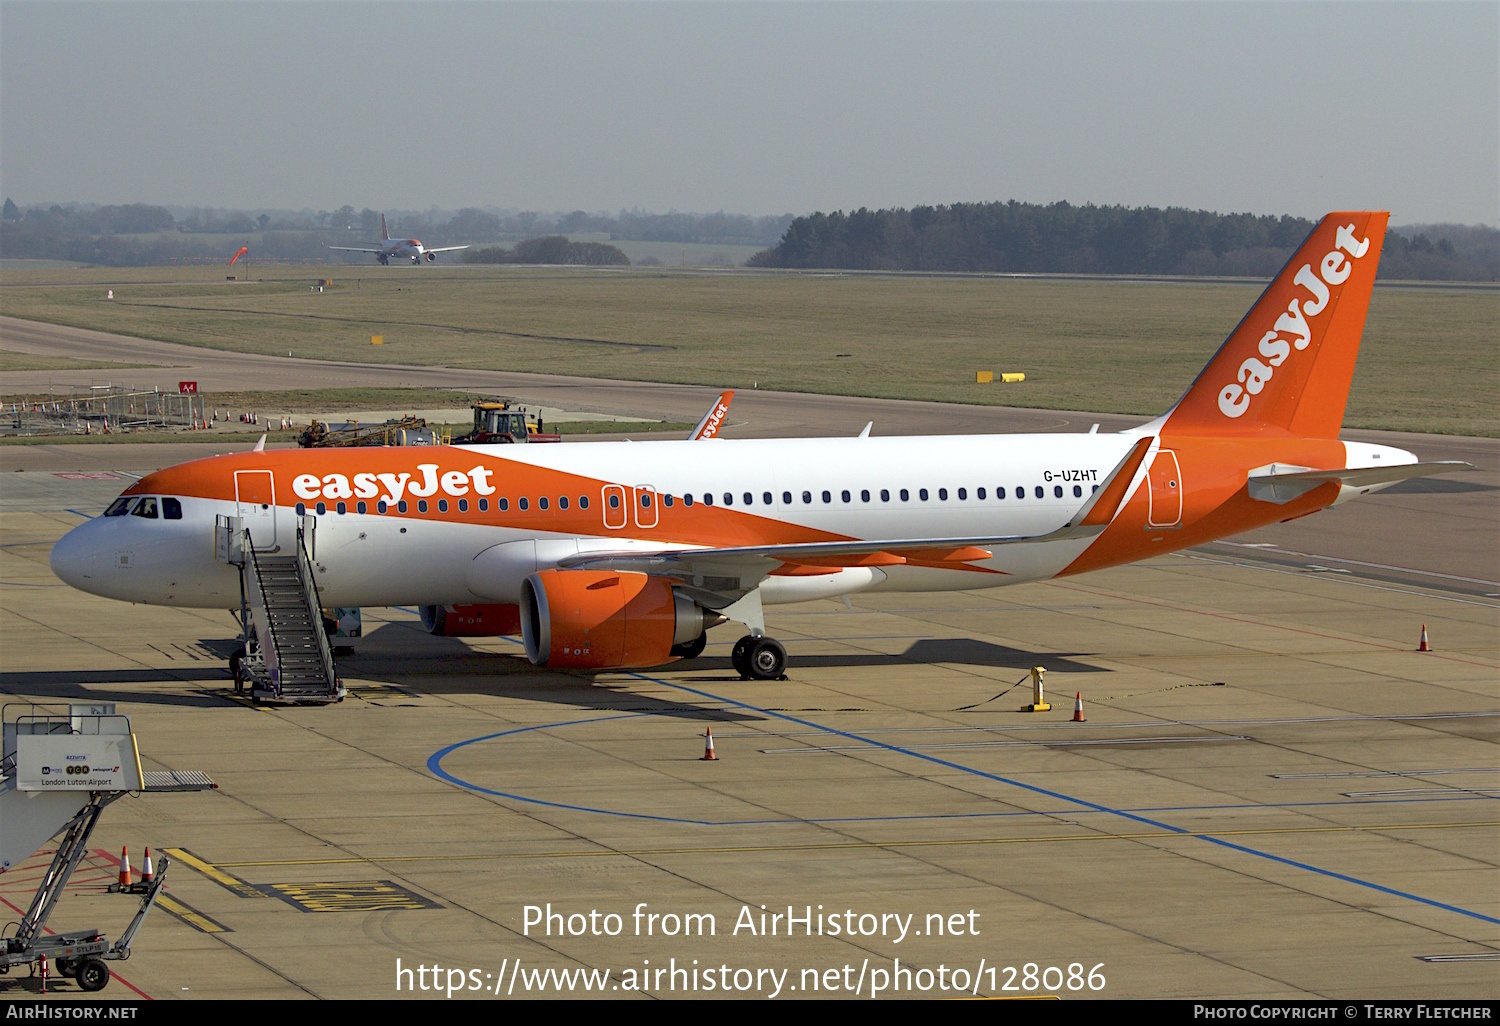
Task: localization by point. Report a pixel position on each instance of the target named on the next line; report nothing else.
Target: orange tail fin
(1287, 367)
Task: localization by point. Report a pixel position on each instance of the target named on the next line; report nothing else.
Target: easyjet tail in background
(612, 555)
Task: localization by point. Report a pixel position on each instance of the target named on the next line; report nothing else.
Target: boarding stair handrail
(315, 610)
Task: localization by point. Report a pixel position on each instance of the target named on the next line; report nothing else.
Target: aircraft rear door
(1165, 484)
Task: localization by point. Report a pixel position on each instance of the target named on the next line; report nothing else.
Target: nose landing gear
(759, 658)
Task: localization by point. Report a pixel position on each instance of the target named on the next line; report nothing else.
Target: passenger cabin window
(463, 506)
(614, 502)
(523, 503)
(885, 495)
(1039, 492)
(1057, 491)
(541, 503)
(342, 509)
(807, 498)
(708, 498)
(484, 505)
(322, 508)
(943, 494)
(442, 506)
(844, 495)
(687, 498)
(400, 507)
(120, 506)
(729, 498)
(1020, 491)
(666, 500)
(645, 500)
(766, 498)
(583, 502)
(421, 505)
(827, 496)
(749, 499)
(962, 494)
(171, 509)
(864, 495)
(978, 494)
(146, 508)
(905, 495)
(922, 494)
(302, 509)
(1078, 491)
(504, 504)
(786, 498)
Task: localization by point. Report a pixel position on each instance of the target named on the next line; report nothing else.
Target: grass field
(1428, 362)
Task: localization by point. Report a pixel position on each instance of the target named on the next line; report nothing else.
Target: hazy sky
(757, 108)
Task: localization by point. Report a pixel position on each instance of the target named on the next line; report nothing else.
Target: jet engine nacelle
(431, 258)
(484, 621)
(606, 619)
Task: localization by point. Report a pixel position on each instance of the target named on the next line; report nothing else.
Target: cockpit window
(171, 509)
(146, 508)
(120, 506)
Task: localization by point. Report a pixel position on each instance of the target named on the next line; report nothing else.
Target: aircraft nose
(76, 556)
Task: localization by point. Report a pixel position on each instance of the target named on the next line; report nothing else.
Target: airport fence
(102, 409)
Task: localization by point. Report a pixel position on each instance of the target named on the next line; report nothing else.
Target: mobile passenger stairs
(284, 656)
(60, 767)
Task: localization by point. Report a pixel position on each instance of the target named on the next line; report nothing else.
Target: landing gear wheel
(739, 656)
(93, 974)
(767, 659)
(235, 658)
(691, 649)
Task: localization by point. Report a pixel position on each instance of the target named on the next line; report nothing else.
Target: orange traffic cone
(708, 746)
(1422, 646)
(147, 873)
(1078, 709)
(124, 868)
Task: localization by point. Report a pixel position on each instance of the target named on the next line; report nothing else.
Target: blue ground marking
(1082, 802)
(76, 513)
(434, 765)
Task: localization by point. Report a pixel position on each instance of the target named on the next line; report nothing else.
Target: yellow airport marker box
(984, 377)
(1012, 377)
(377, 340)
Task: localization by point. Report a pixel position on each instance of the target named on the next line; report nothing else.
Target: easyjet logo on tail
(1293, 329)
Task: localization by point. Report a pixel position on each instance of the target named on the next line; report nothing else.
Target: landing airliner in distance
(614, 555)
(399, 248)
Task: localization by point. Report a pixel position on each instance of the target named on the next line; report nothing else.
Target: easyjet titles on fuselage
(368, 485)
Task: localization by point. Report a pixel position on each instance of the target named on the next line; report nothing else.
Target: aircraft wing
(441, 249)
(721, 575)
(355, 249)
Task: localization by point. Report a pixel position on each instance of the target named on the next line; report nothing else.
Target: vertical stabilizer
(384, 235)
(1287, 367)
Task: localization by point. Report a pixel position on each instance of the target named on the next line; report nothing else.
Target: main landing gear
(759, 658)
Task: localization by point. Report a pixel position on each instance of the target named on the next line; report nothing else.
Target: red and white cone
(147, 873)
(43, 968)
(124, 867)
(1078, 709)
(1422, 645)
(708, 746)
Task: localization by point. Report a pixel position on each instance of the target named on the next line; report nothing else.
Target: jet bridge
(60, 767)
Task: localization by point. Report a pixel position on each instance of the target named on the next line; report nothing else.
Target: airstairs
(286, 656)
(60, 766)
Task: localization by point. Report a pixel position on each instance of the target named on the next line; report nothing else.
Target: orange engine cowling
(485, 621)
(605, 619)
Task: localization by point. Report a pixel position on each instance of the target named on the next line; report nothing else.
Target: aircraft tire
(767, 659)
(739, 656)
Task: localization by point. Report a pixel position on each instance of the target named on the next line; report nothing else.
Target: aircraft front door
(1165, 484)
(255, 501)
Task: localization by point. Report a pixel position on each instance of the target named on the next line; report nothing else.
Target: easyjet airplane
(399, 248)
(614, 555)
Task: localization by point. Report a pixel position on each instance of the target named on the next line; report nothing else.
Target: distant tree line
(962, 237)
(1063, 238)
(552, 249)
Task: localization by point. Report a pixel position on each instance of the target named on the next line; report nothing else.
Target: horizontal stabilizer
(1280, 484)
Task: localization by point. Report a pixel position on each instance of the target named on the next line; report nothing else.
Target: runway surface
(1272, 794)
